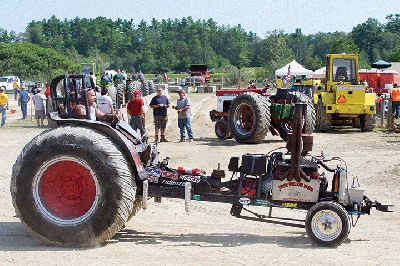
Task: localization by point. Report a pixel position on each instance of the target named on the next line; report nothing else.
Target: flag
(289, 77)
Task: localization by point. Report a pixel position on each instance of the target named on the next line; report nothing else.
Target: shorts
(40, 114)
(160, 122)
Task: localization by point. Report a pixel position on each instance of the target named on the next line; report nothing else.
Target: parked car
(7, 82)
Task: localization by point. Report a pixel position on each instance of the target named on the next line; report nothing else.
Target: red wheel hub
(247, 117)
(67, 189)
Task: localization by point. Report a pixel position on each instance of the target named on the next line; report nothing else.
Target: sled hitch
(383, 207)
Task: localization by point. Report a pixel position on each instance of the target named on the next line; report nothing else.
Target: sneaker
(163, 139)
(182, 140)
(190, 140)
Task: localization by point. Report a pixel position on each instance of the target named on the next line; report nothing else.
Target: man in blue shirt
(160, 104)
(23, 101)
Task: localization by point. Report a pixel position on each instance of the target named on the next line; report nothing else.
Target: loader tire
(72, 186)
(367, 123)
(327, 224)
(325, 120)
(249, 118)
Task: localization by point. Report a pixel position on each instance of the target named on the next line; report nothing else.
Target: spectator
(165, 78)
(136, 111)
(396, 101)
(47, 91)
(94, 78)
(160, 104)
(379, 102)
(3, 106)
(140, 76)
(105, 103)
(16, 89)
(39, 100)
(23, 101)
(184, 121)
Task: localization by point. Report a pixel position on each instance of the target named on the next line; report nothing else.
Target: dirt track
(164, 234)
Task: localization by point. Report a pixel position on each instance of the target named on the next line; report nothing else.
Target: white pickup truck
(7, 82)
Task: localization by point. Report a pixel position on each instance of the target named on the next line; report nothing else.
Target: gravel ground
(166, 235)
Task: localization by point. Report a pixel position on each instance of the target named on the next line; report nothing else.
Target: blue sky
(258, 16)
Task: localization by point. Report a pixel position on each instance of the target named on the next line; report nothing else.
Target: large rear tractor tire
(71, 186)
(145, 88)
(309, 123)
(222, 129)
(327, 224)
(152, 87)
(367, 123)
(249, 118)
(325, 120)
(120, 95)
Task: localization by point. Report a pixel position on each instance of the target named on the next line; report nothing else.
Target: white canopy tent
(318, 74)
(295, 70)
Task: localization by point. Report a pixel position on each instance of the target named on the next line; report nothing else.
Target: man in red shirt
(135, 109)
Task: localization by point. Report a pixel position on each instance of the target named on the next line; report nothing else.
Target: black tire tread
(123, 181)
(262, 118)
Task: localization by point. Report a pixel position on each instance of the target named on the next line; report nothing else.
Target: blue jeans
(3, 110)
(185, 123)
(396, 109)
(24, 109)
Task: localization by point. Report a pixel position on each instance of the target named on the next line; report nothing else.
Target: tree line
(174, 44)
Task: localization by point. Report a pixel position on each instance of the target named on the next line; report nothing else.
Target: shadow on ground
(231, 142)
(14, 237)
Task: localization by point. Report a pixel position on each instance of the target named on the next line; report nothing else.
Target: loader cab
(342, 70)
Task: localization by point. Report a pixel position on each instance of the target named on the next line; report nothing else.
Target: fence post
(389, 124)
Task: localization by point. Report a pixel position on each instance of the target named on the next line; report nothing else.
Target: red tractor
(248, 114)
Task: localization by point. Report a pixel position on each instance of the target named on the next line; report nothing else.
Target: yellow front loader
(342, 100)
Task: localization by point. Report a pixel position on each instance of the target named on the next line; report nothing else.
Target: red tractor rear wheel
(72, 186)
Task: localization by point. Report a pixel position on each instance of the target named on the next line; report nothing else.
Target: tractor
(343, 100)
(77, 185)
(248, 114)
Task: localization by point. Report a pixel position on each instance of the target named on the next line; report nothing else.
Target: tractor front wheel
(72, 186)
(222, 129)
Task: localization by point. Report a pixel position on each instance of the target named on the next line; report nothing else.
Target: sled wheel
(222, 129)
(72, 186)
(249, 118)
(327, 223)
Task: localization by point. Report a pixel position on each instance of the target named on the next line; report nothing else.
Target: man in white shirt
(104, 102)
(94, 78)
(39, 100)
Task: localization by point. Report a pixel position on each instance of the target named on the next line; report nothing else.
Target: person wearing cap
(3, 106)
(39, 100)
(184, 122)
(160, 104)
(136, 111)
(105, 103)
